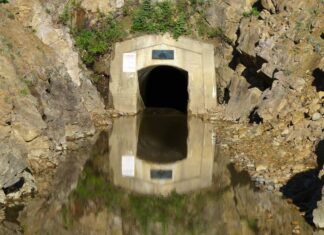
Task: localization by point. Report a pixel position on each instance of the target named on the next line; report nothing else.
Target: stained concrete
(195, 57)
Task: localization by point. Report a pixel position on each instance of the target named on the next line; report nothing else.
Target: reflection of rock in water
(2, 214)
(162, 136)
(228, 207)
(8, 220)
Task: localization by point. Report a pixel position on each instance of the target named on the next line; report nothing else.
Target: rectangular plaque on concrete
(163, 54)
(161, 174)
(128, 166)
(129, 62)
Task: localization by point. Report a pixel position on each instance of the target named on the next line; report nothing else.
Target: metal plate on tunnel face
(163, 54)
(161, 174)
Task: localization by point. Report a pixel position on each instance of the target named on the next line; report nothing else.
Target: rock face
(273, 73)
(46, 99)
(275, 67)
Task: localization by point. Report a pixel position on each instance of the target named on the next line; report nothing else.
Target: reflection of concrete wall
(191, 173)
(193, 56)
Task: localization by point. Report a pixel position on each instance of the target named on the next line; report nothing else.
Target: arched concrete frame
(195, 57)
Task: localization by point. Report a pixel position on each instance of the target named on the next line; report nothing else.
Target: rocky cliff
(46, 98)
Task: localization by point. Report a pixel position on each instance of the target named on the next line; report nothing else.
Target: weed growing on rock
(253, 12)
(219, 32)
(65, 17)
(7, 13)
(24, 92)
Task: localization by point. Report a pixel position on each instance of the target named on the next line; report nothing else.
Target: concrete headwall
(132, 55)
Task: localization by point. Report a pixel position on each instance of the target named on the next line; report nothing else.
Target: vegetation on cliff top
(161, 17)
(98, 40)
(181, 18)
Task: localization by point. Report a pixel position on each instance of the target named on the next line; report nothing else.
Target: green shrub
(98, 41)
(4, 1)
(161, 17)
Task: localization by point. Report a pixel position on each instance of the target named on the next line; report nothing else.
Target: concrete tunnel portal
(159, 71)
(164, 87)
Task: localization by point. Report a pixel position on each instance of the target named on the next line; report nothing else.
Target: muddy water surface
(158, 173)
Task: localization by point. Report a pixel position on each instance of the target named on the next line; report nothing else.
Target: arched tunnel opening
(164, 87)
(163, 128)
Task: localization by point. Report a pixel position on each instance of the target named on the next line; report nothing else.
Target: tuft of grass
(254, 12)
(67, 219)
(65, 17)
(7, 99)
(24, 92)
(219, 33)
(253, 224)
(7, 13)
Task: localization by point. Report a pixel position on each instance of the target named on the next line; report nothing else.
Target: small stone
(321, 94)
(270, 187)
(296, 231)
(261, 167)
(322, 110)
(285, 132)
(316, 116)
(2, 197)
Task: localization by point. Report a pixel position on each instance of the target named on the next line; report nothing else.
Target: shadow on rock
(305, 188)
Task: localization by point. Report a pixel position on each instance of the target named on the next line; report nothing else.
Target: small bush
(160, 18)
(98, 41)
(4, 1)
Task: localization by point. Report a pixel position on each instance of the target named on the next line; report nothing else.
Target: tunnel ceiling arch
(150, 51)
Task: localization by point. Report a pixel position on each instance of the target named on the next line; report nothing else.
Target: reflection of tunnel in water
(164, 87)
(162, 136)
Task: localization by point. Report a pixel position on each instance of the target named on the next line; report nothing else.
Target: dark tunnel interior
(164, 87)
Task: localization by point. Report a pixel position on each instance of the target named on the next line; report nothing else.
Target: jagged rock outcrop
(278, 54)
(46, 98)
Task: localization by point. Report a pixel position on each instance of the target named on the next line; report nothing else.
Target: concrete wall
(196, 57)
(192, 173)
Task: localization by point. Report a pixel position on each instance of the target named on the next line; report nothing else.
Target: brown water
(123, 186)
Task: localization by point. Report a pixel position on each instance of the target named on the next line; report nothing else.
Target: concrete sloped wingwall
(132, 55)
